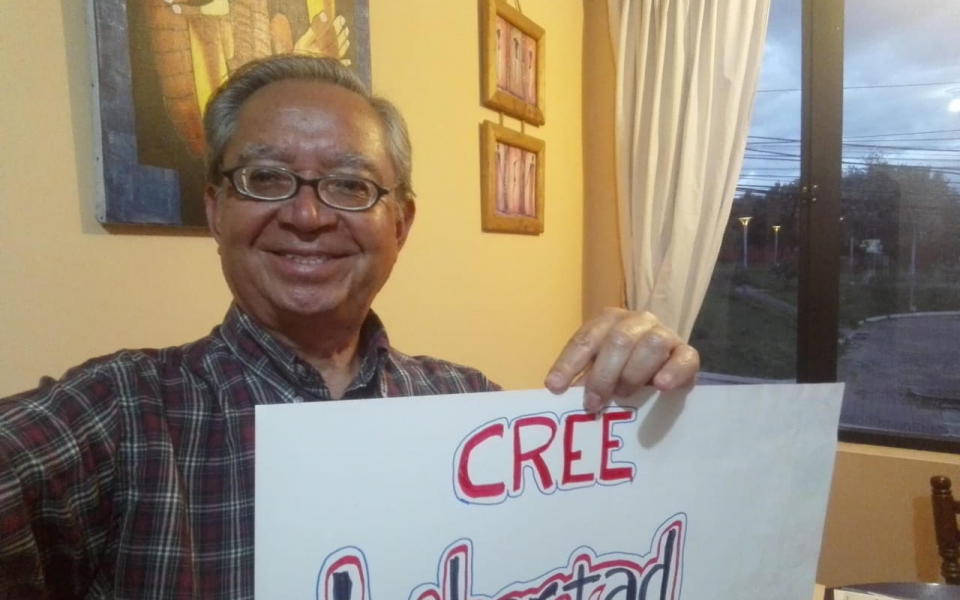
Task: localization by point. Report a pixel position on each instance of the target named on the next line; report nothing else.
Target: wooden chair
(945, 510)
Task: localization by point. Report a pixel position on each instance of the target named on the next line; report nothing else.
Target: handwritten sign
(718, 493)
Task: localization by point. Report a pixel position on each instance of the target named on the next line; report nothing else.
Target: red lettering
(469, 488)
(570, 455)
(535, 455)
(608, 444)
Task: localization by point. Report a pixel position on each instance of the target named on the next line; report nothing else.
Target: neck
(330, 345)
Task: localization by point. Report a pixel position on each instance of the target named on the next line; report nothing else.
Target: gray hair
(220, 117)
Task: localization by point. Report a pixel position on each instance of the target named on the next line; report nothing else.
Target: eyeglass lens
(270, 183)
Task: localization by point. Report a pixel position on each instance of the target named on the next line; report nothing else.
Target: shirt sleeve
(57, 446)
(489, 386)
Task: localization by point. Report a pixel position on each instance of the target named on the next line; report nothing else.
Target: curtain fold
(687, 74)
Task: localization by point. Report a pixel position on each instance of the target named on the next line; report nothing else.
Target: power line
(899, 136)
(870, 87)
(914, 148)
(753, 146)
(775, 139)
(859, 137)
(848, 142)
(781, 169)
(773, 152)
(784, 157)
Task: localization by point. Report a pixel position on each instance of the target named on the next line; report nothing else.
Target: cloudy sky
(901, 71)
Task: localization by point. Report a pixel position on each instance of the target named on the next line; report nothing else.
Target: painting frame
(494, 219)
(526, 104)
(132, 193)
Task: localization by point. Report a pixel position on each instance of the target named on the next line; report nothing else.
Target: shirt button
(301, 371)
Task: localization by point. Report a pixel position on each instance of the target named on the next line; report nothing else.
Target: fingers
(578, 353)
(633, 353)
(680, 370)
(617, 353)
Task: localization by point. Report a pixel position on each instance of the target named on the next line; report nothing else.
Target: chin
(278, 300)
(315, 304)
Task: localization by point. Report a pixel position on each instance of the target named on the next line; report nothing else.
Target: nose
(305, 212)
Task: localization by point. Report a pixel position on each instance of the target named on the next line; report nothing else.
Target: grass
(861, 299)
(737, 337)
(752, 339)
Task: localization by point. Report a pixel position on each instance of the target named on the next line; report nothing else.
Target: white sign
(718, 493)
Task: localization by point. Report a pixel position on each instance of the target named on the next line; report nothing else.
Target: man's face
(298, 257)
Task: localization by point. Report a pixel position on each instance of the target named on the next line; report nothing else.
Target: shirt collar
(266, 356)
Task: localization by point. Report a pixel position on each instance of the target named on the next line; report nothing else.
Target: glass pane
(747, 327)
(900, 267)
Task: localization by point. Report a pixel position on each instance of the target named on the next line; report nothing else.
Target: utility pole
(745, 221)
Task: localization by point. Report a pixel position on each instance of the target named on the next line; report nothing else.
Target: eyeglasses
(272, 184)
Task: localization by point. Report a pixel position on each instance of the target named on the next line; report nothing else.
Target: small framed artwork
(156, 62)
(512, 174)
(513, 59)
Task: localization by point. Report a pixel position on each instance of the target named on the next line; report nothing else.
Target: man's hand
(617, 353)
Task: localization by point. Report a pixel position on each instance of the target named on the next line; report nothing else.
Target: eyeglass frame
(312, 182)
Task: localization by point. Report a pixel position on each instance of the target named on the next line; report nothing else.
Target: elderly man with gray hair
(132, 475)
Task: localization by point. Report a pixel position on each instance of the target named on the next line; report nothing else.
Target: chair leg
(945, 525)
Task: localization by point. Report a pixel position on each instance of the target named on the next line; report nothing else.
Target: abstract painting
(156, 62)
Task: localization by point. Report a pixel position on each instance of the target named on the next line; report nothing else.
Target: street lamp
(745, 221)
(776, 235)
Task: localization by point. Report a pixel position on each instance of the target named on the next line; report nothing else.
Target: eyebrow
(348, 160)
(261, 151)
(354, 161)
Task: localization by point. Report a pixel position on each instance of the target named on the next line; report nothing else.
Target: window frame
(820, 232)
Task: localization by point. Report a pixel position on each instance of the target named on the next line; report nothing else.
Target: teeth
(306, 260)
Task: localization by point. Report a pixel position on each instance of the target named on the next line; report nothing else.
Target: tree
(912, 210)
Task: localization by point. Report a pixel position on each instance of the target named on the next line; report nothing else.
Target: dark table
(906, 591)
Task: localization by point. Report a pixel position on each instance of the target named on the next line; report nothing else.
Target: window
(857, 278)
(747, 327)
(900, 208)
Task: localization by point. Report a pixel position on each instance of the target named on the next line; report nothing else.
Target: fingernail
(553, 381)
(592, 402)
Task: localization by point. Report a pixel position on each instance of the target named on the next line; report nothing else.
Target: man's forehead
(300, 92)
(291, 121)
(314, 107)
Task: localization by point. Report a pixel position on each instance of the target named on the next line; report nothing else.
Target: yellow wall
(602, 272)
(69, 290)
(879, 522)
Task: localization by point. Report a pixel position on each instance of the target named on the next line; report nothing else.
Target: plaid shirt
(132, 476)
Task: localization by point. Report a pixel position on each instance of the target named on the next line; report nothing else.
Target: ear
(408, 210)
(211, 205)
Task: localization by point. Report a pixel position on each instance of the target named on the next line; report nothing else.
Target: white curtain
(687, 74)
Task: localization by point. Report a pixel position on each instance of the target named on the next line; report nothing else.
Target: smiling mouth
(300, 259)
(308, 260)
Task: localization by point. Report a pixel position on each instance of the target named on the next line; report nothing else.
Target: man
(132, 476)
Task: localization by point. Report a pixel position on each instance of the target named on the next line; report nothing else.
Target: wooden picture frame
(148, 91)
(511, 180)
(512, 82)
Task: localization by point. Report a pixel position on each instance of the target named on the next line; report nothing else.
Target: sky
(901, 70)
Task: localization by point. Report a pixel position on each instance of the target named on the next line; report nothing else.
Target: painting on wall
(512, 176)
(513, 62)
(156, 62)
